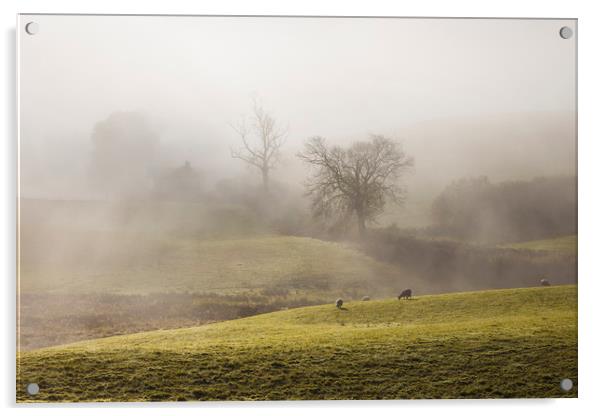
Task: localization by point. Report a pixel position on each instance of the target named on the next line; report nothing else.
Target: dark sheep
(339, 303)
(406, 294)
(545, 282)
(366, 298)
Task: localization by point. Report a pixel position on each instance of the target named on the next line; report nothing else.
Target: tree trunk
(265, 178)
(361, 223)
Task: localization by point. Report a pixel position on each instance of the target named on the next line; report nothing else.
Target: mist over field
(461, 104)
(171, 178)
(448, 94)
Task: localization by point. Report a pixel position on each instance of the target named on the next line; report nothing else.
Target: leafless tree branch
(261, 139)
(359, 179)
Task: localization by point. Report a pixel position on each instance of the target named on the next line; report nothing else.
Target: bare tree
(262, 139)
(356, 180)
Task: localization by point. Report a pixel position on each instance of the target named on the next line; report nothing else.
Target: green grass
(134, 263)
(503, 343)
(566, 244)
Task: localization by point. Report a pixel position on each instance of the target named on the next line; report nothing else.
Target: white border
(590, 202)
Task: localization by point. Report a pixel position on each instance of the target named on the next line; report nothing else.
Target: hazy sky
(339, 78)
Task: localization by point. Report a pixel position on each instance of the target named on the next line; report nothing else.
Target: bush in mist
(282, 210)
(478, 210)
(180, 184)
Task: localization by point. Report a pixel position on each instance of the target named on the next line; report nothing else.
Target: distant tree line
(479, 210)
(348, 187)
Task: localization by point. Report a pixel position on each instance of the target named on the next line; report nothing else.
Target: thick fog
(135, 213)
(465, 97)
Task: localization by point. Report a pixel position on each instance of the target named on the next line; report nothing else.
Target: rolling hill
(502, 343)
(133, 263)
(142, 247)
(87, 284)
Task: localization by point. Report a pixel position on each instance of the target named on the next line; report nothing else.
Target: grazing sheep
(339, 303)
(545, 282)
(406, 294)
(366, 298)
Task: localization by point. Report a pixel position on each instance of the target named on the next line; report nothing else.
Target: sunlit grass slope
(566, 244)
(502, 343)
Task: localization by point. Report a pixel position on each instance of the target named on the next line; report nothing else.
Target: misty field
(133, 263)
(80, 282)
(186, 229)
(567, 244)
(93, 269)
(504, 343)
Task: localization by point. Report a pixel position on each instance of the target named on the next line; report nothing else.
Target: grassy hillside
(147, 246)
(504, 343)
(134, 263)
(566, 244)
(91, 284)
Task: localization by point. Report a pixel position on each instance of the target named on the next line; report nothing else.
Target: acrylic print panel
(287, 208)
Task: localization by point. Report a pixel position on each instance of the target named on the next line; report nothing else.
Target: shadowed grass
(505, 343)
